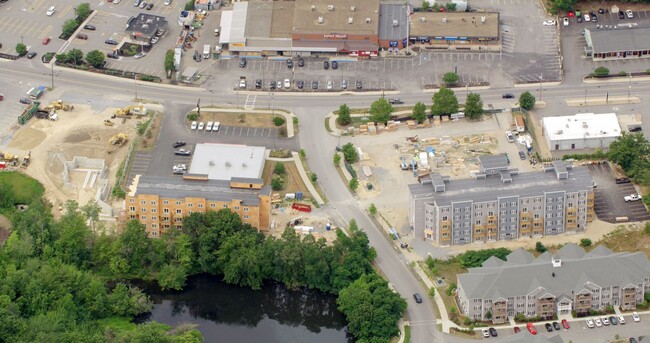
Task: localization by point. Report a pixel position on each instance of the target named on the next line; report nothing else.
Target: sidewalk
(305, 179)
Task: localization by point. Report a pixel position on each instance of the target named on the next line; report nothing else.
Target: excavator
(127, 112)
(58, 105)
(118, 140)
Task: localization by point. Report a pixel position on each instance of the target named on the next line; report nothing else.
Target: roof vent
(350, 20)
(244, 165)
(320, 20)
(330, 7)
(395, 23)
(482, 19)
(559, 132)
(444, 20)
(211, 163)
(353, 8)
(368, 20)
(313, 7)
(584, 125)
(228, 164)
(423, 19)
(556, 262)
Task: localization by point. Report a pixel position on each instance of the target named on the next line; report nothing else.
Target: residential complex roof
(522, 274)
(389, 12)
(335, 16)
(178, 188)
(225, 161)
(492, 187)
(624, 39)
(455, 24)
(582, 126)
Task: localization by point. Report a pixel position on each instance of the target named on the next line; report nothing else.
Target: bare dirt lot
(79, 132)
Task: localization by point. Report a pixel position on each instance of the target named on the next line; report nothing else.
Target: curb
(332, 94)
(435, 90)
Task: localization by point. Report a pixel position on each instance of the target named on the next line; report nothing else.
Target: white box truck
(206, 51)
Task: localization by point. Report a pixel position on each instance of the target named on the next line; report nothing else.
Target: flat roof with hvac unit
(470, 25)
(354, 17)
(145, 25)
(227, 161)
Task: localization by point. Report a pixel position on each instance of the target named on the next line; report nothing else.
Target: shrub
(279, 169)
(373, 210)
(450, 289)
(601, 72)
(353, 184)
(21, 49)
(278, 121)
(585, 242)
(193, 116)
(450, 78)
(344, 117)
(430, 262)
(303, 154)
(432, 292)
(277, 182)
(313, 177)
(350, 153)
(540, 247)
(336, 159)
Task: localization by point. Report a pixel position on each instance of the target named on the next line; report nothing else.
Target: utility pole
(52, 64)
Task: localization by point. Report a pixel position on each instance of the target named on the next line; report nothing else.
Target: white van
(206, 51)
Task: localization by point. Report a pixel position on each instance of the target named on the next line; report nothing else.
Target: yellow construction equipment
(26, 160)
(118, 140)
(8, 157)
(127, 112)
(58, 105)
(108, 122)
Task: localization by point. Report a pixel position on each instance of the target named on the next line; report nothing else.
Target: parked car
(621, 15)
(314, 85)
(258, 84)
(155, 40)
(565, 324)
(522, 155)
(179, 144)
(216, 126)
(629, 14)
(531, 328)
(139, 55)
(208, 126)
(194, 125)
(301, 62)
(395, 101)
(50, 11)
(272, 84)
(635, 317)
(517, 329)
(622, 180)
(183, 152)
(587, 17)
(549, 23)
(486, 333)
(621, 320)
(509, 137)
(565, 21)
(557, 326)
(168, 2)
(493, 332)
(31, 55)
(201, 126)
(149, 6)
(330, 85)
(590, 323)
(613, 320)
(82, 36)
(242, 63)
(549, 327)
(632, 197)
(25, 101)
(112, 54)
(605, 321)
(90, 27)
(601, 10)
(143, 4)
(344, 84)
(417, 297)
(46, 40)
(594, 17)
(579, 19)
(326, 65)
(287, 83)
(598, 322)
(508, 96)
(359, 84)
(110, 42)
(335, 65)
(300, 84)
(289, 63)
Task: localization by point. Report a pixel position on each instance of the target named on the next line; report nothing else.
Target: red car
(46, 41)
(517, 329)
(531, 329)
(565, 324)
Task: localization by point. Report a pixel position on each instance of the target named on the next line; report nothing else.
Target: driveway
(609, 203)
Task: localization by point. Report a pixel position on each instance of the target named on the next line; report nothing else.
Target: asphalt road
(318, 145)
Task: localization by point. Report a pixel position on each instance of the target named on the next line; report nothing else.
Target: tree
(277, 182)
(336, 159)
(353, 184)
(450, 78)
(82, 11)
(585, 242)
(629, 150)
(601, 72)
(488, 315)
(278, 121)
(95, 58)
(279, 169)
(350, 153)
(380, 111)
(132, 249)
(344, 117)
(473, 106)
(527, 100)
(444, 102)
(240, 256)
(540, 248)
(371, 309)
(91, 211)
(21, 49)
(563, 5)
(426, 5)
(474, 258)
(6, 196)
(75, 56)
(169, 62)
(450, 6)
(372, 209)
(313, 177)
(73, 244)
(69, 27)
(420, 112)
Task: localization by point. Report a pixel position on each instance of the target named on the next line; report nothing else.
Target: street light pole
(52, 64)
(541, 77)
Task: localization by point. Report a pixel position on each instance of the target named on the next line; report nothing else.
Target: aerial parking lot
(609, 202)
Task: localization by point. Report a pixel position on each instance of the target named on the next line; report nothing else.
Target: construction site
(72, 150)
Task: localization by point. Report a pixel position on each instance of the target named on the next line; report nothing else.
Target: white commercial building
(581, 131)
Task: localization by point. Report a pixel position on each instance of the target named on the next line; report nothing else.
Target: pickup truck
(395, 101)
(632, 197)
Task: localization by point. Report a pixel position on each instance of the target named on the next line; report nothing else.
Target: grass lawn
(25, 188)
(292, 180)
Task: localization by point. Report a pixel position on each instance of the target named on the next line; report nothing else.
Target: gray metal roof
(225, 161)
(389, 11)
(517, 279)
(491, 188)
(490, 162)
(258, 19)
(213, 190)
(624, 39)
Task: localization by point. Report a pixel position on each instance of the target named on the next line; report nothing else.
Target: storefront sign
(334, 36)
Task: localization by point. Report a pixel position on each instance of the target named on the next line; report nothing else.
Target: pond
(227, 313)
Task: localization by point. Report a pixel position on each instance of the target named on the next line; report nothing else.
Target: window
(245, 209)
(189, 211)
(200, 205)
(571, 204)
(513, 211)
(153, 202)
(503, 205)
(143, 210)
(445, 218)
(132, 208)
(245, 216)
(466, 216)
(524, 210)
(490, 213)
(537, 200)
(131, 200)
(536, 216)
(225, 205)
(154, 218)
(165, 210)
(153, 210)
(457, 210)
(513, 203)
(559, 207)
(143, 217)
(143, 202)
(503, 213)
(179, 211)
(237, 208)
(550, 207)
(190, 205)
(213, 205)
(478, 222)
(456, 217)
(549, 215)
(559, 199)
(154, 225)
(165, 202)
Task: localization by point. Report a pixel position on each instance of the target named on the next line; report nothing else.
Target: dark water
(226, 313)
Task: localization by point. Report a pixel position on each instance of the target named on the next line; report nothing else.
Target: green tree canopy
(69, 27)
(380, 111)
(601, 71)
(563, 5)
(21, 49)
(95, 58)
(82, 11)
(444, 102)
(473, 106)
(350, 153)
(344, 117)
(527, 100)
(450, 78)
(420, 112)
(630, 151)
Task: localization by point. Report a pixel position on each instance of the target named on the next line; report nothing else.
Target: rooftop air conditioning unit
(395, 23)
(353, 8)
(320, 20)
(330, 7)
(350, 20)
(368, 20)
(482, 19)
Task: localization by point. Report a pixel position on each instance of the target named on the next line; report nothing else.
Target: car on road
(344, 84)
(598, 322)
(621, 180)
(493, 332)
(531, 328)
(25, 101)
(110, 42)
(632, 197)
(289, 63)
(178, 144)
(605, 321)
(155, 40)
(418, 298)
(587, 17)
(557, 326)
(486, 333)
(326, 65)
(31, 55)
(549, 23)
(50, 11)
(579, 19)
(194, 125)
(613, 320)
(139, 55)
(314, 85)
(287, 83)
(509, 137)
(242, 63)
(633, 340)
(216, 126)
(301, 62)
(621, 320)
(359, 84)
(508, 96)
(300, 84)
(201, 126)
(179, 169)
(149, 6)
(621, 15)
(565, 21)
(183, 152)
(601, 11)
(136, 3)
(590, 323)
(395, 101)
(629, 14)
(548, 327)
(635, 317)
(565, 324)
(46, 40)
(335, 65)
(90, 27)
